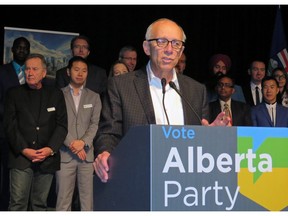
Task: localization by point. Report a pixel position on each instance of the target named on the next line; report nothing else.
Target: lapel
(44, 98)
(266, 114)
(234, 109)
(279, 116)
(142, 88)
(28, 106)
(43, 103)
(69, 99)
(186, 109)
(82, 101)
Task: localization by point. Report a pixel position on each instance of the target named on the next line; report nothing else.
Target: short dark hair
(266, 78)
(76, 59)
(279, 69)
(126, 48)
(82, 37)
(226, 76)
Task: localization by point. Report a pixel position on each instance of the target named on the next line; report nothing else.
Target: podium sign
(198, 168)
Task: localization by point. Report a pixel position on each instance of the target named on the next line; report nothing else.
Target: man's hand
(38, 155)
(76, 146)
(220, 120)
(101, 166)
(82, 155)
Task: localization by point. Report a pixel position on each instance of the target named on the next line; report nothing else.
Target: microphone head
(163, 82)
(172, 84)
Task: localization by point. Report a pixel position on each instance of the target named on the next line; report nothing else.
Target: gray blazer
(82, 125)
(128, 103)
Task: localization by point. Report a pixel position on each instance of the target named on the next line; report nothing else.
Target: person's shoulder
(241, 104)
(97, 68)
(213, 103)
(258, 107)
(16, 89)
(282, 107)
(91, 93)
(189, 81)
(52, 89)
(61, 70)
(5, 67)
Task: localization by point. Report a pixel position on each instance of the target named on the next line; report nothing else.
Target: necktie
(21, 77)
(257, 95)
(227, 112)
(272, 117)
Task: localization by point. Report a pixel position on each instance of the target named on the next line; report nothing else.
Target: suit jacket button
(37, 128)
(34, 142)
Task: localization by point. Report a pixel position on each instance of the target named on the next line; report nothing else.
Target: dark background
(244, 32)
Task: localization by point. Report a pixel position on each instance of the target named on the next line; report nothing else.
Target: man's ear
(249, 72)
(146, 48)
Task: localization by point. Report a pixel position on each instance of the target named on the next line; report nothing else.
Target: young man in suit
(253, 89)
(96, 78)
(135, 98)
(35, 122)
(9, 77)
(240, 112)
(77, 153)
(269, 113)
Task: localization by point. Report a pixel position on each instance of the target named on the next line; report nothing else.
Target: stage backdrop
(54, 45)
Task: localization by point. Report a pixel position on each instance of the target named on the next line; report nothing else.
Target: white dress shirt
(172, 101)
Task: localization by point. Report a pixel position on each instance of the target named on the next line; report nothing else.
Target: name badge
(51, 109)
(85, 106)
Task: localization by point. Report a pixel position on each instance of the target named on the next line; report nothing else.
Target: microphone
(172, 85)
(163, 83)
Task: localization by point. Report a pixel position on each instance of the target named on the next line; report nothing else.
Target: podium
(197, 168)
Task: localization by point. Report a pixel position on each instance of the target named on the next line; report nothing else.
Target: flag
(278, 52)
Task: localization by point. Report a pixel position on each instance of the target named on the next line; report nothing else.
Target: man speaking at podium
(154, 94)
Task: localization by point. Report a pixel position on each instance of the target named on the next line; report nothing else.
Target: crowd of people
(67, 131)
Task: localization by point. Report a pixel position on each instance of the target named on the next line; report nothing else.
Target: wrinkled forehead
(167, 29)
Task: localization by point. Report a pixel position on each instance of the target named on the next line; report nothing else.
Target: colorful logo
(264, 186)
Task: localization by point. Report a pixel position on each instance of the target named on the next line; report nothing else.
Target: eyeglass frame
(84, 47)
(167, 42)
(280, 76)
(225, 85)
(129, 58)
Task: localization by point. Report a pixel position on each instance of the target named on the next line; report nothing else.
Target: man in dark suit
(35, 122)
(135, 98)
(269, 113)
(257, 72)
(9, 78)
(97, 77)
(241, 112)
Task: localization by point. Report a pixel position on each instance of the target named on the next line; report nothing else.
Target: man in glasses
(240, 113)
(128, 55)
(136, 98)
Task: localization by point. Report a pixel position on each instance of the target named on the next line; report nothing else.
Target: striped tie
(227, 113)
(21, 77)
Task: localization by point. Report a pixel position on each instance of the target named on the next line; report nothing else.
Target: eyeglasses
(280, 77)
(81, 47)
(163, 42)
(225, 85)
(129, 58)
